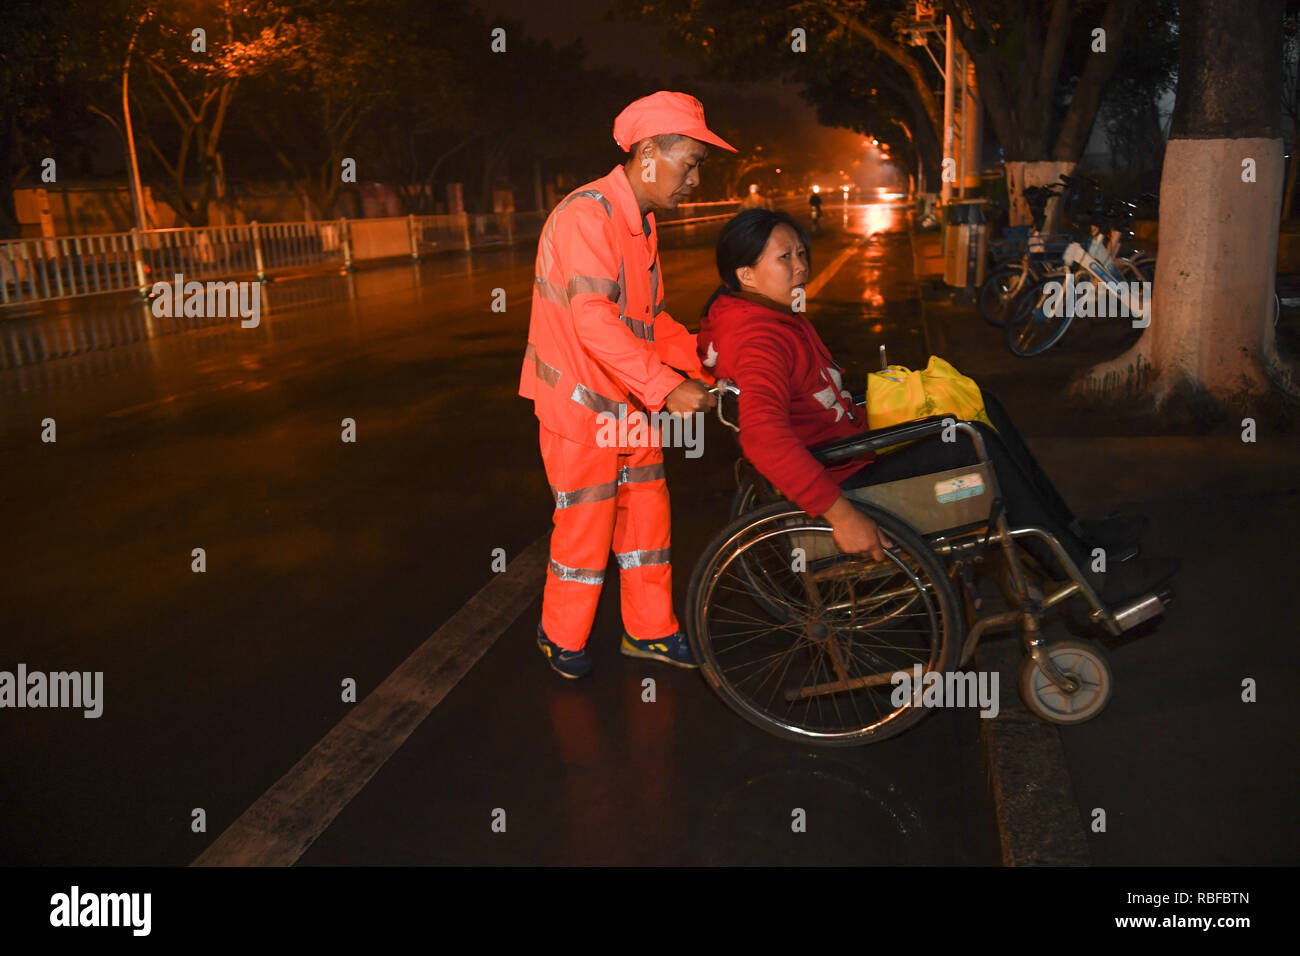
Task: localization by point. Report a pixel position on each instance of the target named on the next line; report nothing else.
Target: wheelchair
(806, 641)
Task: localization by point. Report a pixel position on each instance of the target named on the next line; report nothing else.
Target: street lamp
(137, 193)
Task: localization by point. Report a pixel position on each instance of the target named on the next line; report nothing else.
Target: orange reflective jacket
(599, 339)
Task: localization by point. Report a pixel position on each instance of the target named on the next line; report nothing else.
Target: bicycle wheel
(822, 670)
(1039, 321)
(1139, 268)
(999, 292)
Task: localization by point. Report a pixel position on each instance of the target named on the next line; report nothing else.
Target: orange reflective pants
(607, 498)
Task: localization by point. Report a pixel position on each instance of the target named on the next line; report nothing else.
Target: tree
(53, 66)
(1040, 67)
(354, 60)
(195, 83)
(1129, 112)
(1211, 339)
(855, 68)
(1041, 70)
(1291, 101)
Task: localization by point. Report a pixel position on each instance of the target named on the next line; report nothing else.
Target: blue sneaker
(673, 649)
(570, 664)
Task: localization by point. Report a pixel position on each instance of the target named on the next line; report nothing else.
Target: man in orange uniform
(601, 346)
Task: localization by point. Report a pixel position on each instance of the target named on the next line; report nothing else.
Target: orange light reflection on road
(869, 218)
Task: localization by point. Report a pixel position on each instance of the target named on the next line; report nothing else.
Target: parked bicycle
(1041, 257)
(1038, 257)
(1095, 282)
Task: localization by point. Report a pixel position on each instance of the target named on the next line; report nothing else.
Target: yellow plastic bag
(898, 394)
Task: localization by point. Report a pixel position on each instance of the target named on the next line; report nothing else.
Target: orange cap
(661, 113)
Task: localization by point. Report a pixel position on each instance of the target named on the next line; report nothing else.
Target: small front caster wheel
(1081, 660)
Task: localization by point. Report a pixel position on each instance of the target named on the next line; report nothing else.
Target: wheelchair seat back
(938, 502)
(957, 499)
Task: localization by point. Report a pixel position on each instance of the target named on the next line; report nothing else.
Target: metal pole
(138, 255)
(136, 192)
(346, 238)
(945, 190)
(965, 127)
(257, 251)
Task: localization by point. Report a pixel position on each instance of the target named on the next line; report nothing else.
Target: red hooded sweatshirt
(790, 396)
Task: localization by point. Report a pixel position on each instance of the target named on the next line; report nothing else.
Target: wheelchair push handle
(721, 389)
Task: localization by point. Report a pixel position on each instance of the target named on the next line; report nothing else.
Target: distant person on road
(601, 347)
(815, 210)
(755, 199)
(791, 400)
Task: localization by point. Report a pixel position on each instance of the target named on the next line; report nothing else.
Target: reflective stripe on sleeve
(580, 575)
(552, 292)
(659, 305)
(642, 559)
(642, 330)
(609, 288)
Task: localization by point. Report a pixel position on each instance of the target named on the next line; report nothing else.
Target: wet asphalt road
(328, 560)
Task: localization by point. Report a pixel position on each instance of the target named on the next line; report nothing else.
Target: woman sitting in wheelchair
(755, 333)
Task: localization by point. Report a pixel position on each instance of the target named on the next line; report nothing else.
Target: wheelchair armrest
(843, 449)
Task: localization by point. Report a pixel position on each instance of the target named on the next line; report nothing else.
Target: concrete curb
(1039, 823)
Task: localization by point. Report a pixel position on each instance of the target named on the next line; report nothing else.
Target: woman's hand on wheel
(854, 532)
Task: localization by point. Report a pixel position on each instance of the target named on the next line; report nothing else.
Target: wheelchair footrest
(1143, 609)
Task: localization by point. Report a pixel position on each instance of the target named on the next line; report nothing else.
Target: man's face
(676, 172)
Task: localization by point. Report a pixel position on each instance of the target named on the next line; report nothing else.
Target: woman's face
(780, 270)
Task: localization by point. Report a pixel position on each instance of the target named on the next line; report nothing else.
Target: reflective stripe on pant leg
(642, 545)
(583, 479)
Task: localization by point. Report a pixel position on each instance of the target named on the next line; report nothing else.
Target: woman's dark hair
(742, 241)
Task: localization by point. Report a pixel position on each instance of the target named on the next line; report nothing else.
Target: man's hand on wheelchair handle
(690, 397)
(854, 532)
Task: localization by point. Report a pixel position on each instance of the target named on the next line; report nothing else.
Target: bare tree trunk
(902, 58)
(1292, 168)
(1082, 114)
(1021, 175)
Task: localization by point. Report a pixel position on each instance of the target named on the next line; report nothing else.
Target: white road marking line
(811, 290)
(283, 822)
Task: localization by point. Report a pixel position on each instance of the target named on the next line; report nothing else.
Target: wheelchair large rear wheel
(811, 655)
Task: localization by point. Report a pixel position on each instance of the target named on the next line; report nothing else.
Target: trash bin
(927, 210)
(966, 244)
